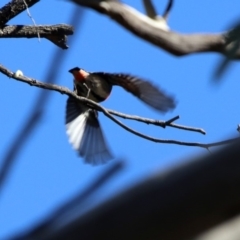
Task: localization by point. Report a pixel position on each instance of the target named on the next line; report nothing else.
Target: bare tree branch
(38, 107)
(13, 8)
(106, 112)
(55, 33)
(160, 123)
(28, 31)
(144, 27)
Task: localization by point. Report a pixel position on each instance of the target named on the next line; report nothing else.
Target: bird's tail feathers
(85, 134)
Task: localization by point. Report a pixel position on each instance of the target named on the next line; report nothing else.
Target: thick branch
(174, 204)
(20, 31)
(146, 28)
(13, 8)
(55, 33)
(106, 112)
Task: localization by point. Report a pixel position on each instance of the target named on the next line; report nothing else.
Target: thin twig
(160, 123)
(172, 120)
(66, 91)
(30, 16)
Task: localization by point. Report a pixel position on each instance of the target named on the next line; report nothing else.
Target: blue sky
(47, 171)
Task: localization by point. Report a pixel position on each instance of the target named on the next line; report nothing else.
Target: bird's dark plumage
(142, 89)
(83, 127)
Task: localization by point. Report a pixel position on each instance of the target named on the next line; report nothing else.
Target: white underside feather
(86, 136)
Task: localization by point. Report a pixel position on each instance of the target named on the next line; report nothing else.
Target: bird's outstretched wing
(142, 89)
(85, 134)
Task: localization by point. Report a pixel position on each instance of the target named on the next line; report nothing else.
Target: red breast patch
(80, 75)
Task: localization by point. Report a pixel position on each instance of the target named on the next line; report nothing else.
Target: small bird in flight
(83, 128)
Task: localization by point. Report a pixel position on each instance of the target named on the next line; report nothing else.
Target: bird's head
(78, 73)
(74, 70)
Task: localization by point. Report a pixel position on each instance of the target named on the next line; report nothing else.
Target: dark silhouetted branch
(18, 143)
(76, 204)
(55, 33)
(176, 204)
(233, 40)
(106, 112)
(146, 28)
(168, 9)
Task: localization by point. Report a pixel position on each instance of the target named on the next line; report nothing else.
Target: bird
(82, 125)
